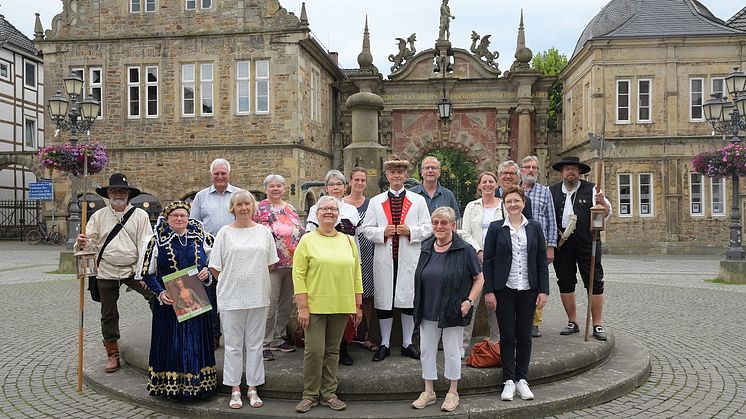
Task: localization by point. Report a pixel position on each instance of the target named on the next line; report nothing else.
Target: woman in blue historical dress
(182, 357)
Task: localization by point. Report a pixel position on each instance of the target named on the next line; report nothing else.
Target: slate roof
(653, 19)
(9, 34)
(738, 20)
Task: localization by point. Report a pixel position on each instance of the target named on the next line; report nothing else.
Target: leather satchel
(485, 354)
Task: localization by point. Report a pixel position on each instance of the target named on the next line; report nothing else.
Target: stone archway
(458, 172)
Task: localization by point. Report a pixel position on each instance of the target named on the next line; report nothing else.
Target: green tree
(551, 62)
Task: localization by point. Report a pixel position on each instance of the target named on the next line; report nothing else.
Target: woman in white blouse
(477, 218)
(240, 260)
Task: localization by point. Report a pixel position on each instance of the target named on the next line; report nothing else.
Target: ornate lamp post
(728, 118)
(73, 115)
(444, 105)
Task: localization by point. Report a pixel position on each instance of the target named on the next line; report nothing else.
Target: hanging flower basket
(69, 159)
(723, 162)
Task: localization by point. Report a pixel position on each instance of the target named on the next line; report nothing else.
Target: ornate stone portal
(496, 116)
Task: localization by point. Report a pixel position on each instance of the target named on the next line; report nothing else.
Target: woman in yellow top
(328, 288)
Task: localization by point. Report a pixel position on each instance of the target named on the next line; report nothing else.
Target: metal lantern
(598, 217)
(85, 261)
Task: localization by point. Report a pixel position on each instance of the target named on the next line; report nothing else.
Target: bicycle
(51, 236)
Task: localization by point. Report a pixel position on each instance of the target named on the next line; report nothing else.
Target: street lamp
(444, 105)
(728, 118)
(73, 115)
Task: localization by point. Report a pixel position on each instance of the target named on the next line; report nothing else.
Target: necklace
(444, 244)
(184, 243)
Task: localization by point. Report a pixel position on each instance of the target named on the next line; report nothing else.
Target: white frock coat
(417, 217)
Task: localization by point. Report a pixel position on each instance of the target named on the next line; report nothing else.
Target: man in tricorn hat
(116, 255)
(397, 222)
(573, 198)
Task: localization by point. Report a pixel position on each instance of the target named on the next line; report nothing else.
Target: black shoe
(571, 328)
(535, 332)
(599, 332)
(410, 351)
(344, 356)
(381, 354)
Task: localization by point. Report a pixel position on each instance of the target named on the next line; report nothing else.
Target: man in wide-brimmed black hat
(117, 255)
(573, 198)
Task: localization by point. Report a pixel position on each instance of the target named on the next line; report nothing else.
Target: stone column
(525, 145)
(364, 150)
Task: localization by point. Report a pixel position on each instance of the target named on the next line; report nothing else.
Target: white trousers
(430, 334)
(243, 328)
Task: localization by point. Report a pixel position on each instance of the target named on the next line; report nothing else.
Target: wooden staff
(82, 276)
(598, 168)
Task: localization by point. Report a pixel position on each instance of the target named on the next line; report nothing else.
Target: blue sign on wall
(40, 191)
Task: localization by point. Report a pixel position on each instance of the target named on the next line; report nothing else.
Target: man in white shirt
(211, 206)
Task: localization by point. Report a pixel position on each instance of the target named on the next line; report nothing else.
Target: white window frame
(187, 82)
(618, 104)
(148, 4)
(629, 210)
(188, 3)
(97, 87)
(701, 94)
(315, 95)
(148, 85)
(259, 81)
(206, 86)
(26, 84)
(715, 184)
(642, 206)
(205, 4)
(243, 82)
(696, 204)
(132, 6)
(136, 86)
(32, 132)
(8, 68)
(649, 106)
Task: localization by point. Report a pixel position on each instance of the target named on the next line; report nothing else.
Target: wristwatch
(471, 302)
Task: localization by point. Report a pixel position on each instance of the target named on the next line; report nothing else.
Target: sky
(338, 24)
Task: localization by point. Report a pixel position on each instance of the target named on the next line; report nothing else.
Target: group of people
(356, 258)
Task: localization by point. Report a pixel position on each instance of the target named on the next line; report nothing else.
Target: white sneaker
(522, 387)
(508, 391)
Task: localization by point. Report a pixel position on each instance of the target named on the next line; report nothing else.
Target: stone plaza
(689, 326)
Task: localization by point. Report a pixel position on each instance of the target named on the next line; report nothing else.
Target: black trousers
(515, 316)
(109, 289)
(572, 257)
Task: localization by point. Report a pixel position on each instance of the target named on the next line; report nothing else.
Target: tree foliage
(551, 62)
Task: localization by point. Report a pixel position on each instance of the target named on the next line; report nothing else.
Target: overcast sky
(338, 24)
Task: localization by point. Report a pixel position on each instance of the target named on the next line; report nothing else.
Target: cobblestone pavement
(694, 330)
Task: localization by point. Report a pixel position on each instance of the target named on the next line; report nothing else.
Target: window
(134, 6)
(203, 4)
(187, 89)
(643, 100)
(95, 87)
(205, 89)
(262, 86)
(133, 92)
(29, 133)
(206, 4)
(5, 71)
(695, 99)
(718, 86)
(695, 194)
(625, 195)
(717, 198)
(622, 101)
(315, 95)
(243, 83)
(151, 92)
(646, 194)
(30, 74)
(191, 4)
(150, 5)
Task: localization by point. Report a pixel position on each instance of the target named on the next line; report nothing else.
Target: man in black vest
(573, 199)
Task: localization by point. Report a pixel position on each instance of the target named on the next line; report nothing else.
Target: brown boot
(112, 351)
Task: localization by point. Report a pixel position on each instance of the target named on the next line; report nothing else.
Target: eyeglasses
(441, 222)
(531, 167)
(328, 209)
(508, 174)
(335, 184)
(431, 168)
(513, 202)
(175, 215)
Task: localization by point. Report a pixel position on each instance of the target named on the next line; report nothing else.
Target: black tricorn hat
(118, 180)
(584, 168)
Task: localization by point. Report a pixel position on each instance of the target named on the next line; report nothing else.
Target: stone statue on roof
(444, 33)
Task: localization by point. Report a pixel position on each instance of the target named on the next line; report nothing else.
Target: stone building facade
(638, 77)
(185, 82)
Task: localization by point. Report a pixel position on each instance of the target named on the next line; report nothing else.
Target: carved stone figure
(444, 33)
(404, 53)
(482, 51)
